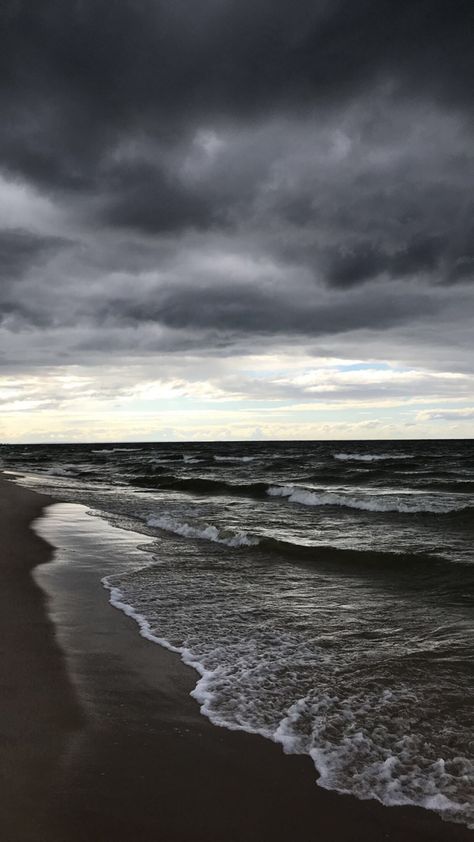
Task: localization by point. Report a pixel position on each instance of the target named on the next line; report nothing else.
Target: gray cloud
(245, 310)
(20, 251)
(78, 77)
(256, 174)
(435, 256)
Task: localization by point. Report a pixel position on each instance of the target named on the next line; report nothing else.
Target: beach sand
(100, 740)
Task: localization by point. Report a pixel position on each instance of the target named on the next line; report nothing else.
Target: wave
(234, 458)
(370, 457)
(404, 503)
(373, 559)
(363, 737)
(205, 532)
(118, 450)
(191, 460)
(455, 486)
(320, 554)
(201, 485)
(63, 472)
(352, 475)
(413, 503)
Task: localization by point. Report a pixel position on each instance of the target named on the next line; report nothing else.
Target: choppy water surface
(324, 592)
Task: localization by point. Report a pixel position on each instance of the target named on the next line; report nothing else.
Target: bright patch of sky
(332, 399)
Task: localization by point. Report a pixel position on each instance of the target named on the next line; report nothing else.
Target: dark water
(323, 591)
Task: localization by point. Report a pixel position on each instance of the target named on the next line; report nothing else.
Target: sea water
(324, 594)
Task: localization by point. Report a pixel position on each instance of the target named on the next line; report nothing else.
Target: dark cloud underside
(237, 167)
(77, 75)
(22, 250)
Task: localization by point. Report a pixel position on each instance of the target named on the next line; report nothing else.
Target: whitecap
(370, 457)
(234, 458)
(204, 532)
(407, 504)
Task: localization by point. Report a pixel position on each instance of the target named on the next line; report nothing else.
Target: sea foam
(304, 688)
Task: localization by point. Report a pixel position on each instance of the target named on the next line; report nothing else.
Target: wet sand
(100, 740)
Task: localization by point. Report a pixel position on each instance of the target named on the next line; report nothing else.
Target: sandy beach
(100, 739)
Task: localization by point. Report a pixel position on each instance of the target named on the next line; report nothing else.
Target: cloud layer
(263, 179)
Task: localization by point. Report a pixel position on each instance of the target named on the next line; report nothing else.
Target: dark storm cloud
(326, 141)
(22, 250)
(396, 204)
(448, 259)
(79, 74)
(142, 197)
(216, 311)
(205, 298)
(248, 310)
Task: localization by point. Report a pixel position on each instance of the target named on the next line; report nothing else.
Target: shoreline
(39, 712)
(145, 763)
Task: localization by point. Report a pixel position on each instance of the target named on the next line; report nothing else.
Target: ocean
(323, 591)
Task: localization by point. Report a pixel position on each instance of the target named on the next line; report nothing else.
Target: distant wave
(204, 532)
(234, 458)
(163, 460)
(201, 485)
(72, 472)
(118, 450)
(62, 472)
(457, 486)
(429, 503)
(374, 503)
(190, 460)
(370, 457)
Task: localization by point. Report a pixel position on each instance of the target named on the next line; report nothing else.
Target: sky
(236, 219)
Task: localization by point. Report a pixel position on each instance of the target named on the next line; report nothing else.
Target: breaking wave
(62, 472)
(205, 532)
(370, 457)
(410, 503)
(118, 450)
(279, 679)
(234, 458)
